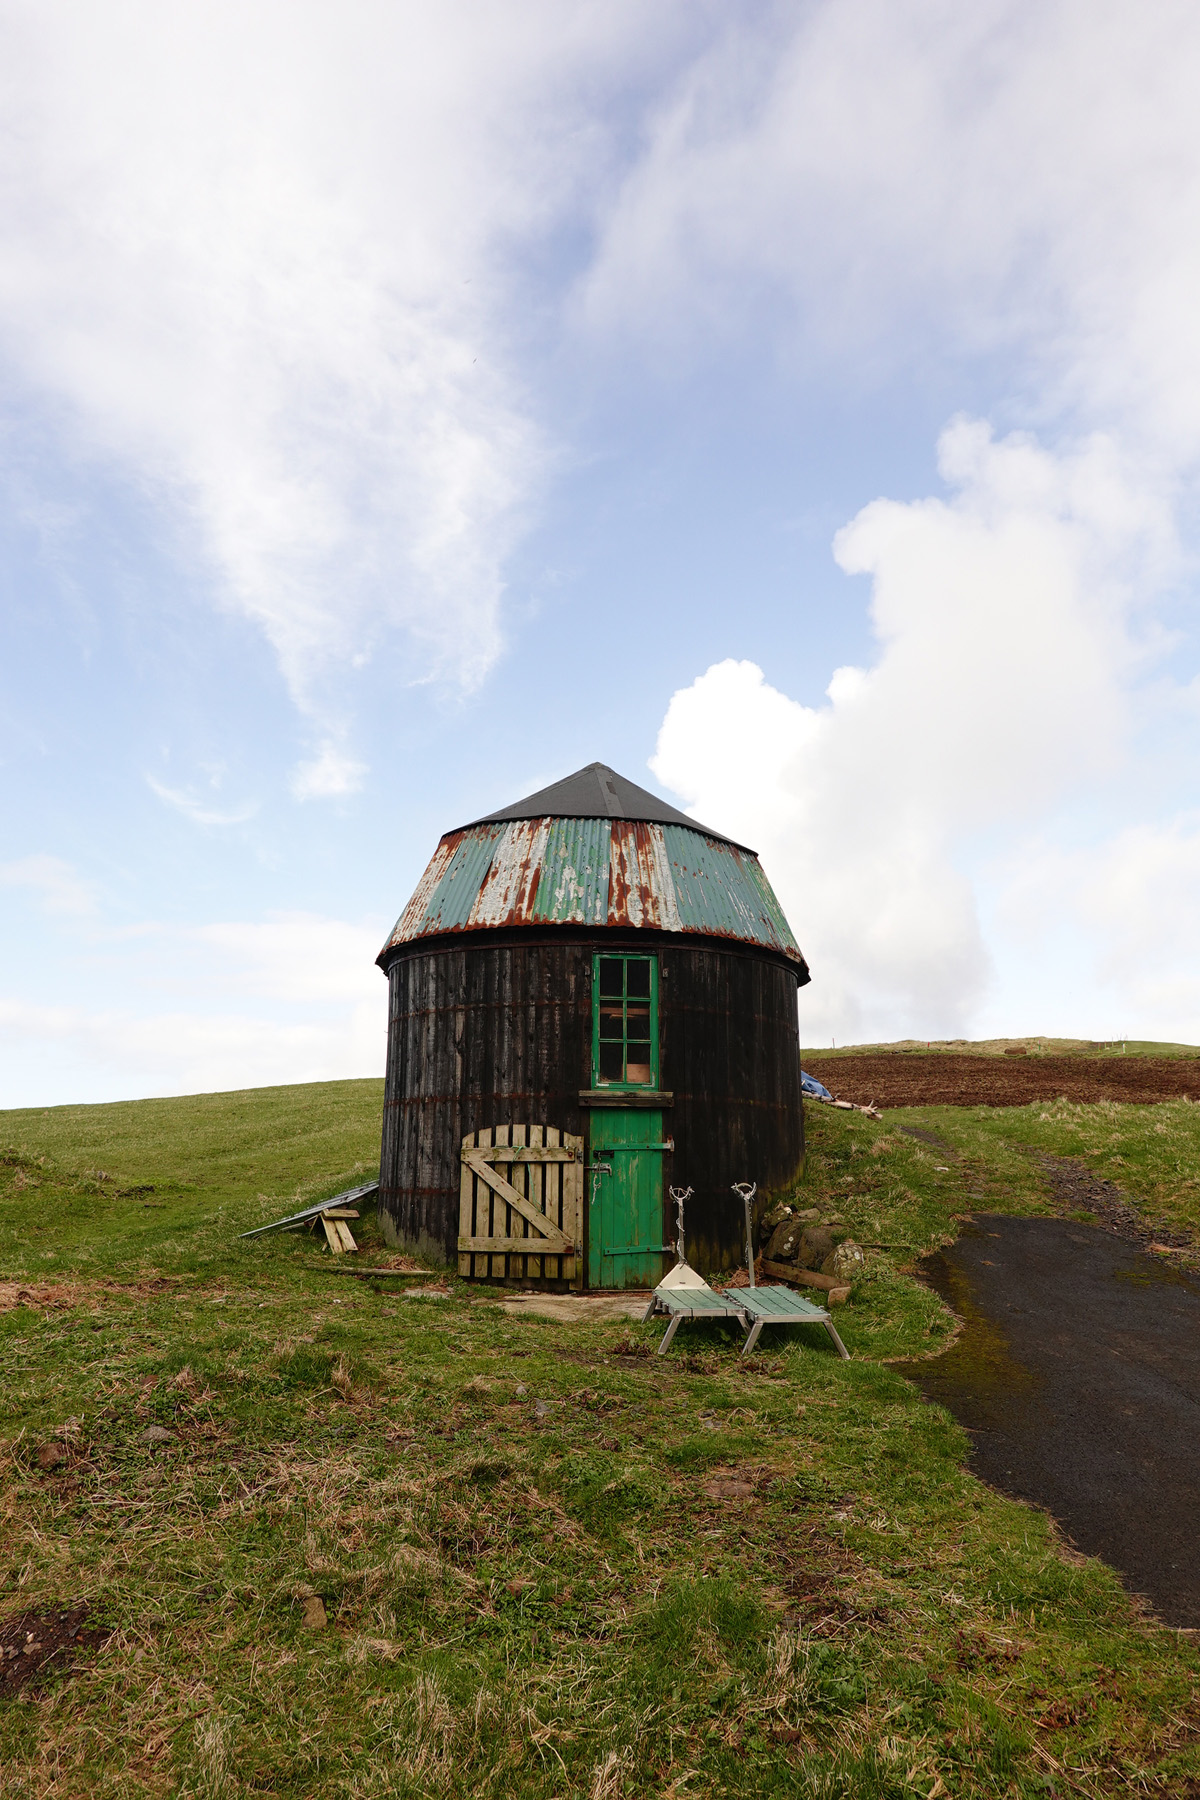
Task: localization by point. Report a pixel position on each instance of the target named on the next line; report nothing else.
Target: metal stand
(679, 1195)
(747, 1190)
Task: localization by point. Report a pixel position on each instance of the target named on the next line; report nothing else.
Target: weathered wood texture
(731, 1057)
(484, 1034)
(521, 1191)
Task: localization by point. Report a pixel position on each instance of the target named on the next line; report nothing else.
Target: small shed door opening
(625, 1222)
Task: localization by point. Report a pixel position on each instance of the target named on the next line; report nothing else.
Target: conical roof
(597, 792)
(598, 851)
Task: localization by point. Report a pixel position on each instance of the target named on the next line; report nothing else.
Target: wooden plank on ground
(838, 1291)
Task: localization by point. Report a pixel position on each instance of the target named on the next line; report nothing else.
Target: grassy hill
(548, 1563)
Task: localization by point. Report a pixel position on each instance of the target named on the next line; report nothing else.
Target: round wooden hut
(591, 999)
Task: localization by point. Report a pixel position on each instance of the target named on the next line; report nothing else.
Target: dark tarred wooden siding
(501, 1031)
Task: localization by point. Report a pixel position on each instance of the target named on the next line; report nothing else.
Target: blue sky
(799, 412)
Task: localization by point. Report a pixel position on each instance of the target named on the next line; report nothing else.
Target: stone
(50, 1456)
(155, 1434)
(784, 1241)
(314, 1613)
(522, 1391)
(816, 1243)
(845, 1261)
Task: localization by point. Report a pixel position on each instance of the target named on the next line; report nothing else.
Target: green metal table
(780, 1306)
(685, 1295)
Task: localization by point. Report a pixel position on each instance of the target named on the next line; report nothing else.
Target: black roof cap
(598, 792)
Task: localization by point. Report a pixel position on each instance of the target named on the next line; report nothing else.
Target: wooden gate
(525, 1224)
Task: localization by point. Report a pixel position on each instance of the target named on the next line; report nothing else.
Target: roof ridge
(610, 796)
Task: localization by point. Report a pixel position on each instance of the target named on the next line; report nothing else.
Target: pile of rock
(798, 1246)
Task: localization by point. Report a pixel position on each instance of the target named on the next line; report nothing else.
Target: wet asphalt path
(1078, 1377)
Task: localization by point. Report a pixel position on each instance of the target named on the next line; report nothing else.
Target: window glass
(612, 975)
(638, 977)
(611, 1021)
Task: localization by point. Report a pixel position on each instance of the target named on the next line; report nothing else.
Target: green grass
(547, 1600)
(145, 1183)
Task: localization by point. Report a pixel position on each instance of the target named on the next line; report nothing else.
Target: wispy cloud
(198, 809)
(57, 885)
(169, 1008)
(999, 691)
(264, 259)
(330, 775)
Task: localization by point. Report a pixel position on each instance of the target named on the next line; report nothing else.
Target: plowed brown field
(949, 1080)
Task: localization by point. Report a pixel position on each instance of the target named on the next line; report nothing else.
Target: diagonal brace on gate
(551, 1238)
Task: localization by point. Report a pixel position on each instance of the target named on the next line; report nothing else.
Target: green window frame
(624, 1021)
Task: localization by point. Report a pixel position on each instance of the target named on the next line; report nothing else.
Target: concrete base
(569, 1308)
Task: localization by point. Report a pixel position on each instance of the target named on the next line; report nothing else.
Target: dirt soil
(1077, 1190)
(906, 1079)
(34, 1644)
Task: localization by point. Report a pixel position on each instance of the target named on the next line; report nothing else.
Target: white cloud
(329, 775)
(184, 1009)
(262, 258)
(1129, 902)
(299, 958)
(60, 889)
(200, 810)
(890, 178)
(999, 691)
(108, 1052)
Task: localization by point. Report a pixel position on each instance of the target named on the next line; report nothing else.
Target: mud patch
(1076, 1189)
(58, 1296)
(34, 1645)
(1077, 1375)
(906, 1078)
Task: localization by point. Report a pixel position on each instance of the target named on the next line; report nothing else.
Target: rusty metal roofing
(598, 792)
(595, 871)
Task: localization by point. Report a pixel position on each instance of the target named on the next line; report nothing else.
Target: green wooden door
(625, 1218)
(625, 1227)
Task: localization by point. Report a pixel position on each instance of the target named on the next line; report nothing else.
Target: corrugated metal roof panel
(722, 891)
(640, 890)
(508, 887)
(411, 922)
(573, 889)
(618, 872)
(450, 906)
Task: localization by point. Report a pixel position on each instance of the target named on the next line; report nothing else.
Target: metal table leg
(672, 1328)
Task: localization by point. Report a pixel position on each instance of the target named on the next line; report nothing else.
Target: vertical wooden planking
(573, 1190)
(518, 1175)
(501, 1215)
(554, 1265)
(466, 1207)
(537, 1193)
(484, 1206)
